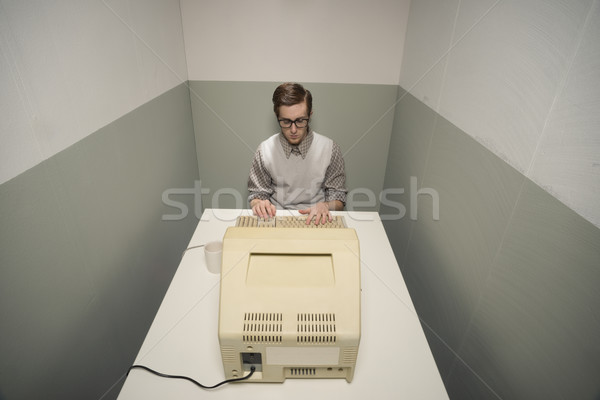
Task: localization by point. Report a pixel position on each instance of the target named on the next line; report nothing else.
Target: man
(297, 168)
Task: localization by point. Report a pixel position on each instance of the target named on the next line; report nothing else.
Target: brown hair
(289, 94)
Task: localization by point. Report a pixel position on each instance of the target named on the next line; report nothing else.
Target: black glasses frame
(283, 122)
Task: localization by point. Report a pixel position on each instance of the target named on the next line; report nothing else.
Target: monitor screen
(290, 270)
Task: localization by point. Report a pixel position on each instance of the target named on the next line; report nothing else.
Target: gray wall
(86, 257)
(232, 118)
(506, 280)
(501, 124)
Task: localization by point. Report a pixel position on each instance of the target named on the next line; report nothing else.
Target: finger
(267, 212)
(318, 218)
(272, 210)
(261, 210)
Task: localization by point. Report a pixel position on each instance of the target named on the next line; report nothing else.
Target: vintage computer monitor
(290, 300)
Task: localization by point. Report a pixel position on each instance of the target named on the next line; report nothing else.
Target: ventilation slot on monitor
(262, 328)
(349, 355)
(316, 328)
(303, 371)
(228, 354)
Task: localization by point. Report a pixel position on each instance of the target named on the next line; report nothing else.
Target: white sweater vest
(298, 182)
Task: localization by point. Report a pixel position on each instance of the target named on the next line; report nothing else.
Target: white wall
(522, 78)
(337, 41)
(72, 67)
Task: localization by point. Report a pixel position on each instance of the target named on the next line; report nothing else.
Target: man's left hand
(319, 212)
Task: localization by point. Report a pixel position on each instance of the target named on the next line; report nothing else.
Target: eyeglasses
(287, 123)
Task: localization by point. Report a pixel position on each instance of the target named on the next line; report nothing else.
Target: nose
(293, 128)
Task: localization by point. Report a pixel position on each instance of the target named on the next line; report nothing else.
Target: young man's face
(293, 134)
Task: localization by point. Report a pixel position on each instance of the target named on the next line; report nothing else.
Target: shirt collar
(301, 148)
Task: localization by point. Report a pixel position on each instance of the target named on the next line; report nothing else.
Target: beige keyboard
(288, 221)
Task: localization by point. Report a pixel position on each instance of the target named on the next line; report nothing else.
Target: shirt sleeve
(260, 185)
(335, 177)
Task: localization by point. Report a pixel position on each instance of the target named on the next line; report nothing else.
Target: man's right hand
(263, 208)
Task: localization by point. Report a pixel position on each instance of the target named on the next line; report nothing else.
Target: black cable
(192, 247)
(252, 369)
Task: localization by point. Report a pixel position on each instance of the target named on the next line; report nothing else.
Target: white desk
(394, 360)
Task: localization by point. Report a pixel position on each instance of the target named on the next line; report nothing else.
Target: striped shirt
(260, 182)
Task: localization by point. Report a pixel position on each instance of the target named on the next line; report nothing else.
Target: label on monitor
(303, 355)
